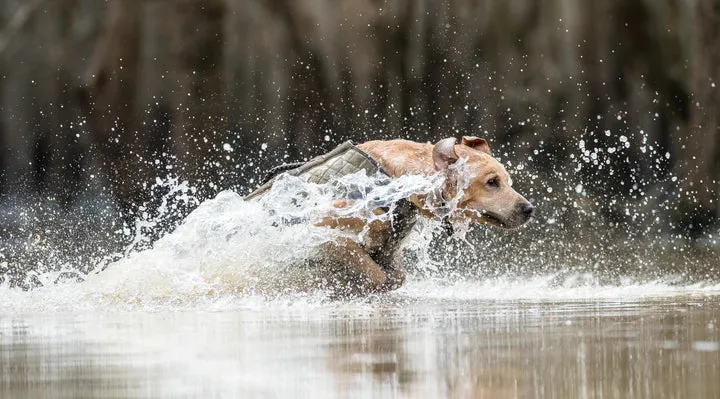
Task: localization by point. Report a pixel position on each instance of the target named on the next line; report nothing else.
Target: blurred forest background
(102, 97)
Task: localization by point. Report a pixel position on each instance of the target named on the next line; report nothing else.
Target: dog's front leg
(391, 261)
(357, 271)
(395, 274)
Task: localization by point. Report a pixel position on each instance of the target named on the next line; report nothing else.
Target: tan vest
(343, 160)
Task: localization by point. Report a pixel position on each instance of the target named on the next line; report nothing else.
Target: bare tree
(699, 152)
(200, 126)
(111, 103)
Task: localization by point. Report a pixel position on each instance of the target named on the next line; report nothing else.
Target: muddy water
(409, 344)
(215, 309)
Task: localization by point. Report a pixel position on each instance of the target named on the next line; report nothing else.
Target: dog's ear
(444, 153)
(477, 143)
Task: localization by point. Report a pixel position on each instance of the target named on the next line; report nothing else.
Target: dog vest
(343, 160)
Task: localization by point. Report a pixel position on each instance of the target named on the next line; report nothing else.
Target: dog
(487, 197)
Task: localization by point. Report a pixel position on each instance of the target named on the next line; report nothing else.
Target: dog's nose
(527, 209)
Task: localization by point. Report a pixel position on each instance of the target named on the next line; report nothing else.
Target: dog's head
(488, 196)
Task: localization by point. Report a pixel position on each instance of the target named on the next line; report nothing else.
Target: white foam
(545, 288)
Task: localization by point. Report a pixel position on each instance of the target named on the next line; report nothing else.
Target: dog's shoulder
(399, 145)
(399, 157)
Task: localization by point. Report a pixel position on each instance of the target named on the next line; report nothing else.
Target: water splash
(229, 252)
(229, 246)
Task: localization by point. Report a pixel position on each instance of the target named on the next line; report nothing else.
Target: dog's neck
(419, 200)
(428, 203)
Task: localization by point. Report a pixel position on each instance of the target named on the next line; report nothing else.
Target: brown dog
(487, 198)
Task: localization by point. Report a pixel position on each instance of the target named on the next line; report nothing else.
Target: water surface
(410, 344)
(215, 309)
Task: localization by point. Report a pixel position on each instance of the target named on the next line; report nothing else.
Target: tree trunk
(200, 129)
(698, 154)
(18, 105)
(112, 105)
(58, 154)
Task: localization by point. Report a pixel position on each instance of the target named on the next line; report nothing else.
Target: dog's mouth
(493, 219)
(486, 217)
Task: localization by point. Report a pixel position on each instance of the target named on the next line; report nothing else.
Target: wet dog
(486, 197)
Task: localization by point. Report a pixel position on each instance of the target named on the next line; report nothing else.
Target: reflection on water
(652, 348)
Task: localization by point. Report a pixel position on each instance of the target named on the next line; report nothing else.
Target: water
(216, 309)
(403, 345)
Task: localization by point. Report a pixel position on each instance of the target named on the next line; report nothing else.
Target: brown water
(666, 347)
(214, 309)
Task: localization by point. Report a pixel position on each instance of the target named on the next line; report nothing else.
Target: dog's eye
(493, 182)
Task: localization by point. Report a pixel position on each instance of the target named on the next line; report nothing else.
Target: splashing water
(232, 252)
(229, 246)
